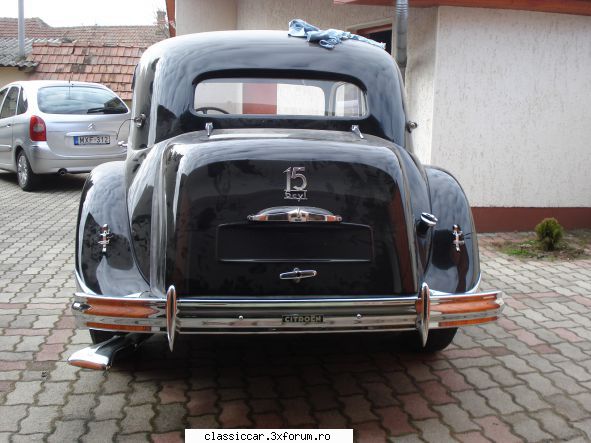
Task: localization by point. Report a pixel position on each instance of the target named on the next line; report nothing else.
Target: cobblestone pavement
(528, 377)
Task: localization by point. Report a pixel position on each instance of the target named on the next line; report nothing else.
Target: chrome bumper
(243, 315)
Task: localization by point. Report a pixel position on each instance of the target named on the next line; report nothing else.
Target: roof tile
(107, 64)
(127, 35)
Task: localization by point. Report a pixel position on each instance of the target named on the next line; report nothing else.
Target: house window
(382, 34)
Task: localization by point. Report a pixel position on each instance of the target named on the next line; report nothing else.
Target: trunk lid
(210, 187)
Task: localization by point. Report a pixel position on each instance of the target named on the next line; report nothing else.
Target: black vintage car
(271, 187)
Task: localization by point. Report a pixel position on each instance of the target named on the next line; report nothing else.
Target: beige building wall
(420, 77)
(512, 106)
(9, 75)
(204, 15)
(276, 14)
(219, 15)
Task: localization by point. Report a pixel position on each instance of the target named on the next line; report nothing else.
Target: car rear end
(318, 241)
(74, 127)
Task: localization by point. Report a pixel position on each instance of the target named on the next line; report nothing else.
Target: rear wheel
(438, 340)
(27, 179)
(100, 336)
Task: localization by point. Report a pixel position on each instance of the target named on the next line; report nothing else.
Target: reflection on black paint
(450, 270)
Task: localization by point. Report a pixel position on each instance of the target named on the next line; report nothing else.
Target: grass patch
(574, 245)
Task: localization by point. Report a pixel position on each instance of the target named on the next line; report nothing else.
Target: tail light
(37, 129)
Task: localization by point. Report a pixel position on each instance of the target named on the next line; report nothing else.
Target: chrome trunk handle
(297, 274)
(295, 214)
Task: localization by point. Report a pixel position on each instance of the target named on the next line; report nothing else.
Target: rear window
(288, 97)
(75, 99)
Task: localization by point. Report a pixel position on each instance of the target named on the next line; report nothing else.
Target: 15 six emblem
(295, 186)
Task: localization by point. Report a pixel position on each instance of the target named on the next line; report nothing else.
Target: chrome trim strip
(242, 302)
(159, 229)
(331, 322)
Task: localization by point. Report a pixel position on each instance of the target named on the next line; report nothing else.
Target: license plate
(297, 318)
(92, 140)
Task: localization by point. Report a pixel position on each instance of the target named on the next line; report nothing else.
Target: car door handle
(295, 214)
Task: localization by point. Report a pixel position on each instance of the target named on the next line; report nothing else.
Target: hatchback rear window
(272, 96)
(74, 99)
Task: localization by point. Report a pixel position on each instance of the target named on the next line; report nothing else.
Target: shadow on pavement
(257, 355)
(50, 183)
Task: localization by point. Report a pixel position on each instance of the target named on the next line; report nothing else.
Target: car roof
(37, 84)
(168, 71)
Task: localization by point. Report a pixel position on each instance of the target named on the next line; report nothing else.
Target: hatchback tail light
(37, 129)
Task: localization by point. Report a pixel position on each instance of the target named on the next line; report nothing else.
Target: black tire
(100, 336)
(438, 340)
(27, 179)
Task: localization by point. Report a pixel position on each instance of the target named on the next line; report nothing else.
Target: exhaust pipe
(101, 356)
(62, 172)
(401, 32)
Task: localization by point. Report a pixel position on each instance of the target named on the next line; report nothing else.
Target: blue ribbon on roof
(328, 38)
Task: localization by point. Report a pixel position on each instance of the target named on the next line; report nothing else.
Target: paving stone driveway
(528, 377)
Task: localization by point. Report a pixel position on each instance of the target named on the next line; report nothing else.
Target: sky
(87, 12)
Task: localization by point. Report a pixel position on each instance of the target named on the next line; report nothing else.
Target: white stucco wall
(512, 106)
(204, 15)
(276, 14)
(420, 77)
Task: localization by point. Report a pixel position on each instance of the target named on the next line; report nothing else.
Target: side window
(9, 106)
(2, 95)
(23, 103)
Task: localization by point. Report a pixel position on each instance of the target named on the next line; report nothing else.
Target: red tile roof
(110, 65)
(115, 35)
(101, 54)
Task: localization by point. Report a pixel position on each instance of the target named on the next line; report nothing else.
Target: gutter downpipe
(401, 23)
(21, 29)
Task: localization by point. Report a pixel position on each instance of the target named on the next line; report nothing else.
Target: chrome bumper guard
(172, 315)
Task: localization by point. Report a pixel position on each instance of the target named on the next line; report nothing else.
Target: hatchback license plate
(308, 318)
(92, 140)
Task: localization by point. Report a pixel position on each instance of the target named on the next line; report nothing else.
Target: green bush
(549, 233)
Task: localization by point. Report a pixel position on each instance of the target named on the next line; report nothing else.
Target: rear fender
(113, 271)
(450, 270)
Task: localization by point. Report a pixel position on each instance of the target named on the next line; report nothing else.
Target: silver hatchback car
(59, 127)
